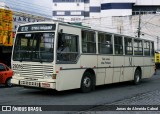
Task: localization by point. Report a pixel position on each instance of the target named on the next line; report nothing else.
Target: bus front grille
(34, 71)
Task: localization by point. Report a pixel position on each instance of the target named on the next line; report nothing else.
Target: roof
(83, 27)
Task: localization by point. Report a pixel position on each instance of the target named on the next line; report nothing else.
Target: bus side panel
(71, 77)
(109, 76)
(152, 67)
(147, 68)
(90, 61)
(68, 79)
(104, 62)
(118, 69)
(100, 77)
(138, 61)
(128, 69)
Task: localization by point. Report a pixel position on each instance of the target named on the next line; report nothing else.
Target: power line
(29, 5)
(25, 3)
(32, 8)
(153, 24)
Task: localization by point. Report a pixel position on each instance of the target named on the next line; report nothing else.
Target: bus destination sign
(39, 27)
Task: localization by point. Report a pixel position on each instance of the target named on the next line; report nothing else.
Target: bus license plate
(29, 83)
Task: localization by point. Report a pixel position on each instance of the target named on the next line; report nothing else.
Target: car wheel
(86, 82)
(8, 82)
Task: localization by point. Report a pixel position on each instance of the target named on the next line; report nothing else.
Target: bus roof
(80, 26)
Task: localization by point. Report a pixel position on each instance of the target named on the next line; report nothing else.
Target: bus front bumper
(36, 84)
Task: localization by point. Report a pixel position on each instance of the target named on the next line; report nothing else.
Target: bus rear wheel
(87, 82)
(137, 77)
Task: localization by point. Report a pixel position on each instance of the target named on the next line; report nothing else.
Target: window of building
(138, 47)
(118, 45)
(128, 46)
(77, 0)
(68, 48)
(146, 48)
(105, 43)
(60, 13)
(75, 13)
(88, 42)
(67, 0)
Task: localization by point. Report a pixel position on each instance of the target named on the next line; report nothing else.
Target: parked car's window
(7, 68)
(2, 68)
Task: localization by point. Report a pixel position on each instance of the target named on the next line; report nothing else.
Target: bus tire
(8, 83)
(87, 82)
(137, 77)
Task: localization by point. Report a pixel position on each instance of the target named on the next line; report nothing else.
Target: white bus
(62, 56)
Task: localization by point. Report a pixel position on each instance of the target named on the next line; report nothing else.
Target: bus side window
(67, 50)
(146, 48)
(105, 43)
(128, 46)
(118, 44)
(138, 47)
(88, 41)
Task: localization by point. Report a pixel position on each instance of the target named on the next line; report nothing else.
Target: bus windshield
(35, 47)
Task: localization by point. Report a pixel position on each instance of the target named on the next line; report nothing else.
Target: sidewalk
(149, 98)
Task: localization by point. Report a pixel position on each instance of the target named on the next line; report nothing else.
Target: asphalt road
(106, 94)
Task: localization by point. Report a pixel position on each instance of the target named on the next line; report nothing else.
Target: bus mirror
(61, 30)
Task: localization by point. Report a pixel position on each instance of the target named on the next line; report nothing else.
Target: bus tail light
(54, 76)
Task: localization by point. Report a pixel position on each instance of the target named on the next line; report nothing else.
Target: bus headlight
(16, 73)
(47, 76)
(50, 76)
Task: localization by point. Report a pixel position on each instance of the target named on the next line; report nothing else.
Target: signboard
(9, 23)
(37, 27)
(6, 23)
(17, 20)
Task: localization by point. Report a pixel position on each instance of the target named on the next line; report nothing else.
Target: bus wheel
(137, 77)
(86, 83)
(8, 83)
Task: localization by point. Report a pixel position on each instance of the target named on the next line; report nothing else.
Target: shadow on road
(3, 86)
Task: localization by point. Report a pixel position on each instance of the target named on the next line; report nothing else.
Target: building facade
(78, 10)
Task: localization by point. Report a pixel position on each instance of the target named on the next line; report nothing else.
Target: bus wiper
(40, 60)
(21, 59)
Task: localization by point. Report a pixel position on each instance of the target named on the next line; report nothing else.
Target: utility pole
(139, 25)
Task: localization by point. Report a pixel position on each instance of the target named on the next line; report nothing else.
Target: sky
(41, 7)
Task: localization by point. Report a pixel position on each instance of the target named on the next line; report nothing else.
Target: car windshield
(36, 47)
